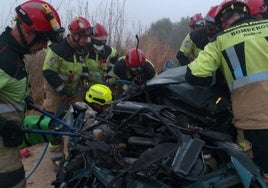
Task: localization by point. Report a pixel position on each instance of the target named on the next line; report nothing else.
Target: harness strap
(39, 127)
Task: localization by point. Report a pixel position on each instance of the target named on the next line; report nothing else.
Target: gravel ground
(44, 174)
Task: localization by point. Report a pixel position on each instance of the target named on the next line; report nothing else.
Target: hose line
(38, 162)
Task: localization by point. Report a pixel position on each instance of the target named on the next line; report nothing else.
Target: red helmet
(227, 6)
(210, 17)
(99, 37)
(80, 26)
(257, 7)
(41, 18)
(197, 20)
(134, 58)
(99, 32)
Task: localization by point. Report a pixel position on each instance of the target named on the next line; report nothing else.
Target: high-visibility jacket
(63, 66)
(192, 44)
(240, 52)
(100, 63)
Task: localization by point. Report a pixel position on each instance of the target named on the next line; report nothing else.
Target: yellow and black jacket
(240, 52)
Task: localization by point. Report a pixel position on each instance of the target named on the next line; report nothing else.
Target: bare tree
(111, 13)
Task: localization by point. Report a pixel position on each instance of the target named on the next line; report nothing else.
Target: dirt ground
(44, 174)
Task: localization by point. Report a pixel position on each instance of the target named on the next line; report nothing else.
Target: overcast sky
(136, 11)
(148, 11)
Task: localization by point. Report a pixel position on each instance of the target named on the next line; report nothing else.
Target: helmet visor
(99, 42)
(56, 36)
(86, 32)
(53, 36)
(200, 23)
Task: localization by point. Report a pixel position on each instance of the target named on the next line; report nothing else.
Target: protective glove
(111, 81)
(11, 133)
(29, 100)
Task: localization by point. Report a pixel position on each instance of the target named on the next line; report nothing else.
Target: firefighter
(240, 52)
(133, 68)
(65, 71)
(198, 38)
(97, 100)
(186, 52)
(101, 56)
(37, 22)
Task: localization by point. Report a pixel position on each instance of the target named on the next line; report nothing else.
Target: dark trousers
(259, 141)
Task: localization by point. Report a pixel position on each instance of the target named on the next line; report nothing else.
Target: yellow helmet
(100, 94)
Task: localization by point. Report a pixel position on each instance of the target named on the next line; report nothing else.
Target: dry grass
(34, 65)
(158, 52)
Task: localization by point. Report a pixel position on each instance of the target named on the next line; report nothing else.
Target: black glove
(11, 133)
(29, 102)
(10, 129)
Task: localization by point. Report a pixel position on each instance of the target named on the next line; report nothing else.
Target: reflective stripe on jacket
(240, 52)
(63, 65)
(100, 63)
(13, 88)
